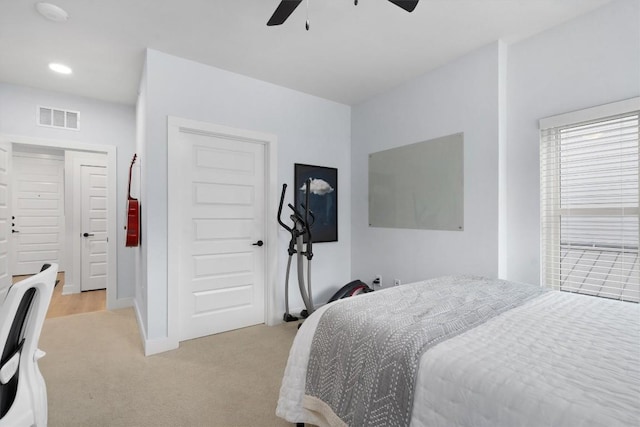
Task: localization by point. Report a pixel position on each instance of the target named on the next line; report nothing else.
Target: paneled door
(221, 255)
(38, 210)
(5, 218)
(94, 227)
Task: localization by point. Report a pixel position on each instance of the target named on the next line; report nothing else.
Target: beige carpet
(97, 375)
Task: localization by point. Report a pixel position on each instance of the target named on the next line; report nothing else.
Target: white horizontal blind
(589, 207)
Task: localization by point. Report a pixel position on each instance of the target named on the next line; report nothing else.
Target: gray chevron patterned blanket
(366, 350)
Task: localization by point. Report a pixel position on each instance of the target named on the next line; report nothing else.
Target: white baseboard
(70, 288)
(154, 346)
(121, 303)
(159, 345)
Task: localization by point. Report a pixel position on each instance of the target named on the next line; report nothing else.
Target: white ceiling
(350, 54)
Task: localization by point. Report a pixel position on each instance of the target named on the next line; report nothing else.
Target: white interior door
(38, 211)
(94, 227)
(222, 205)
(5, 220)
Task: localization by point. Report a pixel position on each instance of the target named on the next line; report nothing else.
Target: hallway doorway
(67, 305)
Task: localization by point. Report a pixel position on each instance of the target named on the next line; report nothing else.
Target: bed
(466, 351)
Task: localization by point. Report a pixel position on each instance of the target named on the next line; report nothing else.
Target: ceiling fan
(286, 8)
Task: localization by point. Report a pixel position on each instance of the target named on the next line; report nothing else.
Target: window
(589, 201)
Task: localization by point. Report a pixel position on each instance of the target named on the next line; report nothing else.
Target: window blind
(589, 207)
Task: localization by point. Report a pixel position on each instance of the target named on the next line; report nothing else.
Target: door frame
(112, 253)
(175, 126)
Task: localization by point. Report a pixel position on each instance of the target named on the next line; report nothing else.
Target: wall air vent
(57, 118)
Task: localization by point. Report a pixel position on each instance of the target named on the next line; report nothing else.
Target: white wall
(100, 123)
(591, 60)
(309, 130)
(496, 95)
(459, 97)
(140, 299)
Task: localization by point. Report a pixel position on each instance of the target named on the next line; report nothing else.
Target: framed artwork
(323, 199)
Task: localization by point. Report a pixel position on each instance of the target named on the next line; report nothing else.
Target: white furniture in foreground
(23, 393)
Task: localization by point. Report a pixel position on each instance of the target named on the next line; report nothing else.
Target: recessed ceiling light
(60, 68)
(52, 12)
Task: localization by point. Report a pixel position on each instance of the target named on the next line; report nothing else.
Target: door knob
(14, 231)
(258, 243)
(87, 234)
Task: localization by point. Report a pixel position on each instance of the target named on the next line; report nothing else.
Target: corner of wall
(140, 292)
(152, 346)
(503, 51)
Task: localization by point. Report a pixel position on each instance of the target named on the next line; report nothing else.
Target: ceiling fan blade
(285, 8)
(407, 5)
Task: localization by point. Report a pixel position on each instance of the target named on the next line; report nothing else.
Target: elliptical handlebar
(313, 217)
(299, 217)
(285, 226)
(306, 219)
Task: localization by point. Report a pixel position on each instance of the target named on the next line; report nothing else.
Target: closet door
(5, 218)
(38, 208)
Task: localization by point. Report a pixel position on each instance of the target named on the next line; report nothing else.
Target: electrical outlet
(396, 282)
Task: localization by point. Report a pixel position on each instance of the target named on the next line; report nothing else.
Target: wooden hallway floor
(65, 305)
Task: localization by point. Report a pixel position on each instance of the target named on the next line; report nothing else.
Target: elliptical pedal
(289, 317)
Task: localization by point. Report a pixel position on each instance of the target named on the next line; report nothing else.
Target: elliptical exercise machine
(301, 231)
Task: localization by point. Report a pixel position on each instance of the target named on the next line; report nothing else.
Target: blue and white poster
(323, 199)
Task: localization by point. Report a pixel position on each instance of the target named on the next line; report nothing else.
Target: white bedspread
(293, 383)
(561, 359)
